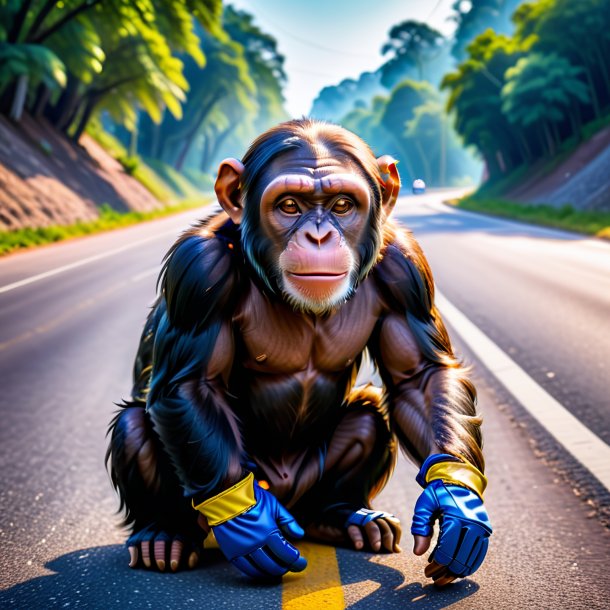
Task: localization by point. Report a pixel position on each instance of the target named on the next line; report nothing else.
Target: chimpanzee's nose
(319, 234)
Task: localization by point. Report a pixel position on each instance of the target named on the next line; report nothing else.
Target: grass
(565, 217)
(134, 166)
(108, 219)
(179, 183)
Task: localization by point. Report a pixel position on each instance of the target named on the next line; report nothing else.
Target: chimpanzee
(244, 391)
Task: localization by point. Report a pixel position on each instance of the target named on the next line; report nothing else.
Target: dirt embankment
(581, 180)
(47, 180)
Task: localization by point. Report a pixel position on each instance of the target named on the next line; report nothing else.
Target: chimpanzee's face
(315, 210)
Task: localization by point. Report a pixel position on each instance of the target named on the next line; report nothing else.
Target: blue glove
(253, 541)
(464, 523)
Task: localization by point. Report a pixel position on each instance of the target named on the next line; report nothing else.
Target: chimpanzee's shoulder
(399, 247)
(402, 272)
(200, 273)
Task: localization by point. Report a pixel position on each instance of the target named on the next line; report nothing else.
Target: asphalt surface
(67, 343)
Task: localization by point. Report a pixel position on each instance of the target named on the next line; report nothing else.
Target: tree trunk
(188, 142)
(59, 113)
(501, 162)
(593, 90)
(21, 93)
(405, 157)
(549, 138)
(218, 142)
(154, 147)
(18, 21)
(425, 162)
(42, 98)
(205, 153)
(85, 117)
(604, 70)
(573, 125)
(190, 136)
(133, 141)
(43, 13)
(67, 17)
(527, 151)
(555, 132)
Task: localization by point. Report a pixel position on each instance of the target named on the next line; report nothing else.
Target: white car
(419, 187)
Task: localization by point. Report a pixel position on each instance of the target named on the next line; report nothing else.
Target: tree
(412, 44)
(334, 102)
(399, 110)
(542, 91)
(26, 65)
(474, 97)
(118, 55)
(366, 122)
(265, 63)
(580, 32)
(473, 17)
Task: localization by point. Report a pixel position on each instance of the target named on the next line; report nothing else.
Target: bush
(130, 164)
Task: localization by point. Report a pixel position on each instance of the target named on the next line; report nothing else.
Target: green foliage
(39, 64)
(108, 219)
(412, 44)
(403, 101)
(265, 63)
(182, 185)
(155, 184)
(234, 97)
(473, 17)
(106, 140)
(334, 102)
(525, 97)
(130, 164)
(565, 217)
(542, 87)
(474, 96)
(115, 55)
(541, 90)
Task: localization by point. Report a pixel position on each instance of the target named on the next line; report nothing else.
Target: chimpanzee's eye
(289, 206)
(342, 206)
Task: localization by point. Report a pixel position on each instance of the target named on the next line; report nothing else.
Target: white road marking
(144, 274)
(84, 261)
(590, 450)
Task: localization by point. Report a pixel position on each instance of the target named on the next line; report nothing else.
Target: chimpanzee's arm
(433, 412)
(193, 351)
(433, 403)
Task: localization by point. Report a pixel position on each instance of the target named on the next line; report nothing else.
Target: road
(70, 318)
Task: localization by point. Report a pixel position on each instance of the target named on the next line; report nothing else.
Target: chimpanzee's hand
(453, 491)
(253, 540)
(464, 531)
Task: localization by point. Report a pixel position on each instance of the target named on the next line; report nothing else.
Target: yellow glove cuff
(229, 503)
(458, 473)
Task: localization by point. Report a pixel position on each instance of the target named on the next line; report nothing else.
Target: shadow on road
(386, 587)
(98, 577)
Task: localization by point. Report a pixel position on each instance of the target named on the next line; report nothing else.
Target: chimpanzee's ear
(390, 182)
(227, 188)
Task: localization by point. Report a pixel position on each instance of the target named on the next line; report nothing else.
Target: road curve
(542, 295)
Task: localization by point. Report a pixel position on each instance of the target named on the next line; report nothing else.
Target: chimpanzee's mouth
(320, 275)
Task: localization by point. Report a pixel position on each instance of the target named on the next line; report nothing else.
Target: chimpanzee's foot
(364, 530)
(154, 546)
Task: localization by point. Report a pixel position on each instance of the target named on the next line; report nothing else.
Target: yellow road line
(319, 585)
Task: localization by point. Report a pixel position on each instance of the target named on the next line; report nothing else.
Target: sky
(326, 41)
